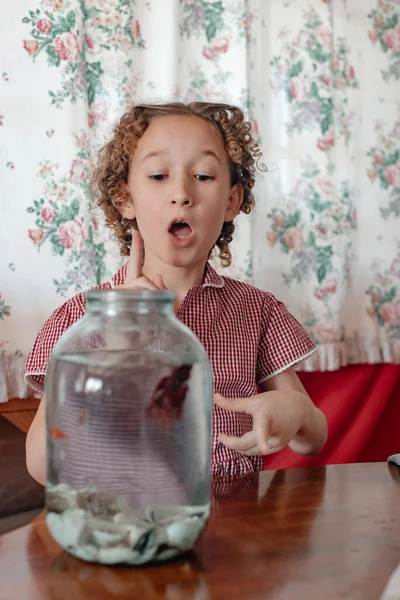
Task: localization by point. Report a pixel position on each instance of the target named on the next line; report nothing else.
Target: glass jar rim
(111, 296)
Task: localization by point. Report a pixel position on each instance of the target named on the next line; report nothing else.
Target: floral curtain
(320, 82)
(324, 89)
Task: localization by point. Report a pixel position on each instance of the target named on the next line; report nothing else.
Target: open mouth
(180, 229)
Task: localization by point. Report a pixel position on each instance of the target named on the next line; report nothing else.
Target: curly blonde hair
(111, 174)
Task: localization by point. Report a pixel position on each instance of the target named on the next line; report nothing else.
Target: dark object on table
(394, 459)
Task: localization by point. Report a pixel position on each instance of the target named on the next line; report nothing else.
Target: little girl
(179, 174)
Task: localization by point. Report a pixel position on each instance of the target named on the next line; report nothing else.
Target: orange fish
(56, 434)
(83, 416)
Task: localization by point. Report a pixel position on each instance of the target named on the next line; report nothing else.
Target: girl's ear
(125, 203)
(235, 202)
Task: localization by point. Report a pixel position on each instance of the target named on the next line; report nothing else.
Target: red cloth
(361, 404)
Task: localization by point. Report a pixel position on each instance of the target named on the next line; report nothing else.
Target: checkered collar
(211, 278)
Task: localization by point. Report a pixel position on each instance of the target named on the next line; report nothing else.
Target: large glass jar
(129, 404)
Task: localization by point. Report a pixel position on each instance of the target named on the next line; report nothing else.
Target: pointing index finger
(135, 261)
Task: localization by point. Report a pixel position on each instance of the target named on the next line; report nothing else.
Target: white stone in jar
(118, 554)
(183, 534)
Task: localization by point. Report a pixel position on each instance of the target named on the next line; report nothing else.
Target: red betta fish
(169, 395)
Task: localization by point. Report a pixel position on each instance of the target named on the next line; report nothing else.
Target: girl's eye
(201, 177)
(158, 177)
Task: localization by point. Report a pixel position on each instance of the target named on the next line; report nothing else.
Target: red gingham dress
(249, 337)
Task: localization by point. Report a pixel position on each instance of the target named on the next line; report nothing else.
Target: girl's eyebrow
(210, 153)
(153, 153)
(163, 152)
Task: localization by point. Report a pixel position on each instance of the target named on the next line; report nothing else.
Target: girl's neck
(177, 279)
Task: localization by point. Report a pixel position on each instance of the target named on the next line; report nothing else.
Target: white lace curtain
(318, 79)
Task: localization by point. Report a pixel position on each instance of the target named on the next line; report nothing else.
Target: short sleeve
(283, 341)
(38, 358)
(61, 319)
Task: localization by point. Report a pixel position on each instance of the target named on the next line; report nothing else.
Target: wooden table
(309, 533)
(20, 411)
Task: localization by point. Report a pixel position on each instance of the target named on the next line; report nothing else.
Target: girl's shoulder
(247, 292)
(57, 323)
(74, 308)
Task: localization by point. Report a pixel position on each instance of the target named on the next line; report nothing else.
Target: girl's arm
(36, 445)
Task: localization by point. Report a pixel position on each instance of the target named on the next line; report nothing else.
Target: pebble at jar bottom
(105, 529)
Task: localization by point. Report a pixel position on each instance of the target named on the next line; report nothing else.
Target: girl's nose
(181, 195)
(181, 200)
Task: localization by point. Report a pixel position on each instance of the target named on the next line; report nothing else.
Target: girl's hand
(280, 418)
(135, 280)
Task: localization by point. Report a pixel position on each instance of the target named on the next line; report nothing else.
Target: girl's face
(180, 185)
